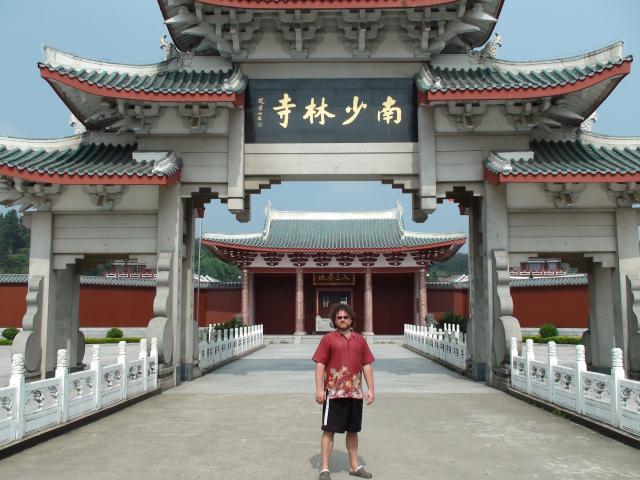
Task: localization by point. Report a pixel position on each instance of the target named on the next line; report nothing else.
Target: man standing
(341, 358)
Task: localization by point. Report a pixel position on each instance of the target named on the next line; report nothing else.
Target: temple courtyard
(256, 418)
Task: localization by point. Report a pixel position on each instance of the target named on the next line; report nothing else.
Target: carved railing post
(154, 364)
(617, 374)
(61, 372)
(122, 360)
(17, 380)
(581, 366)
(97, 367)
(144, 356)
(528, 356)
(552, 361)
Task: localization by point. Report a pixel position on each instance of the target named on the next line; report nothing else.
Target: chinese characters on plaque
(331, 111)
(333, 279)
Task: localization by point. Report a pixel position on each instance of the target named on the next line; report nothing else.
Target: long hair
(338, 307)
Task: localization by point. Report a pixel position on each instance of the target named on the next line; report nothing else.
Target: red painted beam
(525, 93)
(323, 4)
(236, 99)
(77, 179)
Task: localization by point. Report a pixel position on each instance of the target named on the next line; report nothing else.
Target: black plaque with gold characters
(352, 110)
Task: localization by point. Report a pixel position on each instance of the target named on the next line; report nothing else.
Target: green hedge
(4, 341)
(112, 340)
(559, 339)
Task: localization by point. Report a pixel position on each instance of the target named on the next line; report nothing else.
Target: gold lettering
(389, 112)
(284, 109)
(313, 111)
(354, 109)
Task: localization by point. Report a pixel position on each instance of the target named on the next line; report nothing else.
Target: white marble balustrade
(447, 344)
(221, 345)
(27, 408)
(608, 398)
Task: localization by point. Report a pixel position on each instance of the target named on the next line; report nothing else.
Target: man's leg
(352, 448)
(326, 445)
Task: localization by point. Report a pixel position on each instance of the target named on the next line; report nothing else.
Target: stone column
(422, 282)
(368, 303)
(245, 296)
(601, 317)
(299, 303)
(67, 320)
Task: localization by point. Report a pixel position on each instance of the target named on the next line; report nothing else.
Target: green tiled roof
(560, 281)
(339, 231)
(567, 157)
(500, 77)
(90, 159)
(162, 82)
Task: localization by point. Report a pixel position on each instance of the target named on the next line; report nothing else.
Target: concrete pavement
(256, 418)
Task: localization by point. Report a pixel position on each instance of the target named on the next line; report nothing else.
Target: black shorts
(342, 414)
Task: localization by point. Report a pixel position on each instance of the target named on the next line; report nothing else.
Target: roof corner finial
(587, 125)
(267, 209)
(399, 210)
(171, 52)
(488, 52)
(78, 127)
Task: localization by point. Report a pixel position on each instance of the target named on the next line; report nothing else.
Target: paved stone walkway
(256, 419)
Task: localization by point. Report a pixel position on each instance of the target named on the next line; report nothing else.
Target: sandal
(360, 472)
(324, 475)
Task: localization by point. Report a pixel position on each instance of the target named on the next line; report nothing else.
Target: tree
(14, 244)
(216, 268)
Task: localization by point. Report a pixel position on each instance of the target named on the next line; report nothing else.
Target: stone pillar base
(300, 333)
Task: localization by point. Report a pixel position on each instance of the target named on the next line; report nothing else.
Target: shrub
(115, 333)
(548, 330)
(235, 322)
(455, 319)
(10, 333)
(560, 339)
(112, 340)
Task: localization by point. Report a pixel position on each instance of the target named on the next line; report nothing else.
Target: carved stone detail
(160, 326)
(300, 30)
(196, 116)
(505, 324)
(633, 308)
(27, 342)
(17, 364)
(362, 30)
(466, 116)
(488, 53)
(624, 194)
(564, 194)
(105, 196)
(18, 192)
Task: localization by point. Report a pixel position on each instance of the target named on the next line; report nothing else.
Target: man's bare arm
(368, 377)
(320, 393)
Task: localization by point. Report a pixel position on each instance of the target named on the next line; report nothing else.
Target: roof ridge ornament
(78, 127)
(171, 53)
(587, 125)
(488, 52)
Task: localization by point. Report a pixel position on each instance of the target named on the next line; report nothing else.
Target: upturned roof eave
(258, 249)
(237, 99)
(616, 72)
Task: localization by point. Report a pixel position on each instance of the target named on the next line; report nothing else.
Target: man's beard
(345, 329)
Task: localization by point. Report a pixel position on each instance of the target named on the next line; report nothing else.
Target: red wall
(566, 307)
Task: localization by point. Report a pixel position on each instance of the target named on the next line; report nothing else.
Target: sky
(128, 31)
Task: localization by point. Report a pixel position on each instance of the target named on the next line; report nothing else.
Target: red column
(245, 296)
(422, 295)
(299, 303)
(368, 303)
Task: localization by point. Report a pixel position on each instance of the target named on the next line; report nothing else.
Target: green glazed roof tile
(567, 157)
(84, 159)
(445, 79)
(163, 82)
(353, 231)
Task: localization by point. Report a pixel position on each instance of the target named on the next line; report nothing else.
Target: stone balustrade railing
(28, 408)
(447, 344)
(608, 398)
(222, 345)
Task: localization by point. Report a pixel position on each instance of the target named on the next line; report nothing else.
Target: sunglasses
(340, 317)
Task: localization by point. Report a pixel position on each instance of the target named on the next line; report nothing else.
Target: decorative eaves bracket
(564, 195)
(105, 196)
(41, 196)
(362, 30)
(466, 116)
(299, 29)
(624, 195)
